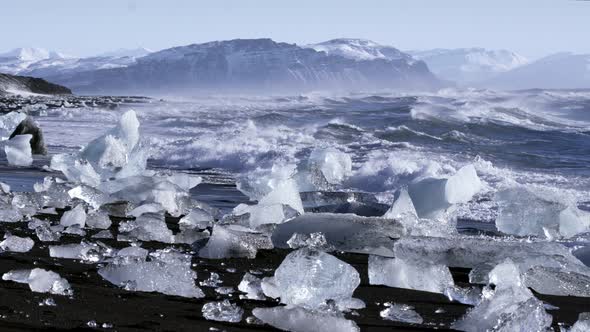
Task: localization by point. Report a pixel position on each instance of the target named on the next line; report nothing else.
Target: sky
(533, 28)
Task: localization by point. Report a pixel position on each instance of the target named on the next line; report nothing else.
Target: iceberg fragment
(234, 241)
(75, 216)
(222, 311)
(325, 168)
(40, 281)
(301, 320)
(17, 244)
(147, 227)
(196, 218)
(401, 313)
(99, 220)
(313, 240)
(251, 285)
(18, 150)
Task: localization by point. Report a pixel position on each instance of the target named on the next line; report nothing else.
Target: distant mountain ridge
(12, 84)
(241, 65)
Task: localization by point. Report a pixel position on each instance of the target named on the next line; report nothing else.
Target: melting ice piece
(308, 278)
(556, 281)
(523, 212)
(432, 196)
(95, 198)
(251, 285)
(197, 218)
(582, 325)
(222, 311)
(301, 320)
(401, 313)
(234, 241)
(17, 244)
(146, 208)
(147, 227)
(84, 251)
(98, 220)
(325, 168)
(261, 182)
(509, 307)
(167, 272)
(75, 216)
(18, 150)
(346, 232)
(75, 169)
(314, 241)
(9, 122)
(402, 206)
(396, 272)
(40, 281)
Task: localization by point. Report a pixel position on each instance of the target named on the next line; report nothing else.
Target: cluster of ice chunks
(511, 306)
(401, 313)
(40, 281)
(15, 243)
(222, 311)
(324, 169)
(418, 275)
(524, 212)
(299, 319)
(234, 241)
(345, 232)
(309, 278)
(431, 197)
(166, 271)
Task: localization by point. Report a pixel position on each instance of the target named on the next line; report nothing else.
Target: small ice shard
(296, 319)
(29, 127)
(346, 232)
(91, 196)
(104, 234)
(313, 240)
(146, 208)
(401, 207)
(251, 285)
(325, 168)
(166, 272)
(75, 216)
(582, 325)
(397, 272)
(308, 278)
(47, 233)
(74, 230)
(17, 244)
(4, 188)
(53, 192)
(285, 192)
(197, 218)
(98, 220)
(40, 281)
(75, 251)
(147, 227)
(18, 150)
(212, 281)
(190, 236)
(524, 212)
(433, 196)
(234, 241)
(133, 251)
(222, 311)
(401, 313)
(225, 290)
(509, 307)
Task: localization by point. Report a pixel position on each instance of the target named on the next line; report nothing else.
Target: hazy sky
(531, 27)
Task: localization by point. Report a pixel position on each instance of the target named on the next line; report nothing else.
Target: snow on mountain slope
(467, 65)
(17, 60)
(557, 71)
(127, 52)
(359, 49)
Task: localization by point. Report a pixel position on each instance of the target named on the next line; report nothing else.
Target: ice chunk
(92, 196)
(556, 281)
(18, 150)
(17, 244)
(433, 196)
(397, 272)
(167, 272)
(401, 313)
(197, 218)
(222, 311)
(325, 168)
(362, 204)
(314, 241)
(523, 212)
(308, 278)
(509, 307)
(185, 181)
(83, 251)
(29, 126)
(146, 208)
(190, 236)
(75, 169)
(346, 232)
(8, 122)
(251, 285)
(4, 188)
(234, 241)
(582, 325)
(98, 219)
(147, 227)
(261, 182)
(285, 192)
(402, 206)
(40, 281)
(75, 216)
(301, 320)
(133, 251)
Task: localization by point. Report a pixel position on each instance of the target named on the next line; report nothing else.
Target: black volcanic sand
(97, 300)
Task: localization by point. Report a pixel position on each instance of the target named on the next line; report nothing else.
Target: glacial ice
(315, 241)
(91, 196)
(17, 244)
(433, 196)
(84, 251)
(524, 212)
(325, 168)
(98, 220)
(8, 122)
(18, 150)
(308, 278)
(166, 272)
(402, 206)
(147, 227)
(40, 281)
(401, 313)
(509, 307)
(196, 218)
(297, 319)
(75, 216)
(397, 272)
(222, 311)
(234, 241)
(251, 285)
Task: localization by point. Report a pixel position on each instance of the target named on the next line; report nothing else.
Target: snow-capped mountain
(17, 60)
(256, 65)
(360, 49)
(468, 65)
(557, 71)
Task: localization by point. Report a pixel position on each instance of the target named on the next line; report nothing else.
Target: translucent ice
(75, 216)
(582, 325)
(8, 122)
(18, 150)
(301, 320)
(222, 311)
(147, 227)
(401, 313)
(251, 285)
(308, 278)
(402, 206)
(509, 307)
(91, 196)
(397, 272)
(325, 168)
(17, 244)
(98, 219)
(40, 281)
(234, 241)
(314, 241)
(197, 218)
